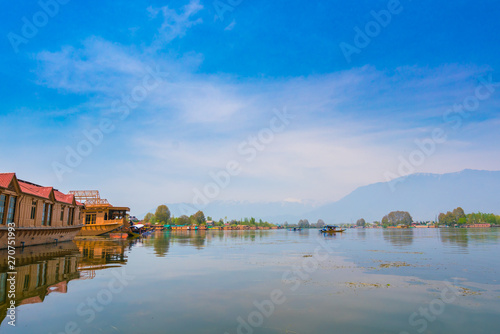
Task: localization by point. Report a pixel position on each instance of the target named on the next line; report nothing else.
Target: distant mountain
(423, 195)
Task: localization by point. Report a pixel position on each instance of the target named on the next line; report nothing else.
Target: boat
(100, 217)
(331, 229)
(138, 230)
(295, 229)
(39, 215)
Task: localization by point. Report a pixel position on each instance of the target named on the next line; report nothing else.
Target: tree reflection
(399, 237)
(457, 236)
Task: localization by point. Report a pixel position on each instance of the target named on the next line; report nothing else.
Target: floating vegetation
(394, 264)
(468, 292)
(364, 285)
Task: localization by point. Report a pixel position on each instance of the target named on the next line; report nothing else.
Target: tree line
(394, 218)
(459, 218)
(163, 216)
(304, 223)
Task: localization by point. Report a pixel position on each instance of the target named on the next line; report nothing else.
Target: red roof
(32, 189)
(5, 179)
(65, 198)
(35, 190)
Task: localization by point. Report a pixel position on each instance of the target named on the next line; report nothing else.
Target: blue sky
(221, 79)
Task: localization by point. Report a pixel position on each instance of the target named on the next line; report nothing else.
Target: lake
(277, 281)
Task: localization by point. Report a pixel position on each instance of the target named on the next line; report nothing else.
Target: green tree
(304, 223)
(148, 217)
(458, 213)
(162, 214)
(361, 222)
(199, 218)
(450, 218)
(397, 218)
(183, 220)
(385, 221)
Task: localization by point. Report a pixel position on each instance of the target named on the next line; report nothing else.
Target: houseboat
(100, 217)
(39, 215)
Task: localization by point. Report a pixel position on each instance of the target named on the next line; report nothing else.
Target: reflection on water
(461, 237)
(399, 237)
(161, 241)
(204, 281)
(458, 237)
(41, 270)
(96, 254)
(45, 269)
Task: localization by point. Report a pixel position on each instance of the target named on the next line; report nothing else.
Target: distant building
(479, 225)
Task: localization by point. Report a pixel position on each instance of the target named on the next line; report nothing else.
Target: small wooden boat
(139, 230)
(295, 229)
(331, 229)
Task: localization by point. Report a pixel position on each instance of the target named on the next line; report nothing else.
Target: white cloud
(175, 25)
(349, 127)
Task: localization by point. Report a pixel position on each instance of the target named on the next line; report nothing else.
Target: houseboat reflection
(41, 270)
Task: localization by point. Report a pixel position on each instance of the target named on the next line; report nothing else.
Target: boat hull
(118, 235)
(30, 236)
(98, 229)
(332, 232)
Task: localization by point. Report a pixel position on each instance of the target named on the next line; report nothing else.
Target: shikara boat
(331, 229)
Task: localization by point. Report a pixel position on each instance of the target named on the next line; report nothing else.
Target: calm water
(363, 281)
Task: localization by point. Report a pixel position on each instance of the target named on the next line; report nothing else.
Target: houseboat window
(62, 214)
(71, 216)
(12, 209)
(106, 216)
(3, 199)
(90, 218)
(49, 214)
(44, 215)
(33, 209)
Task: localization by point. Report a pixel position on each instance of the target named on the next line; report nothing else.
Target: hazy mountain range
(423, 195)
